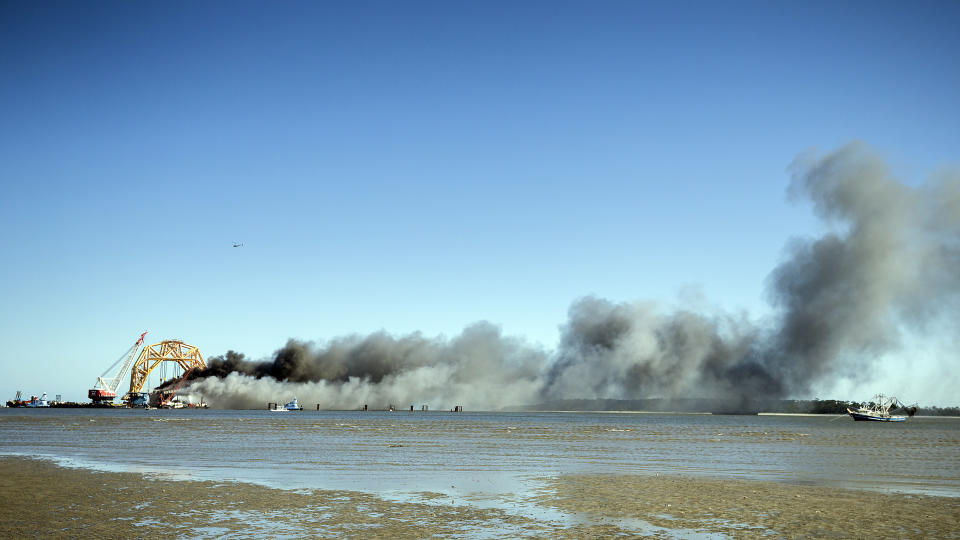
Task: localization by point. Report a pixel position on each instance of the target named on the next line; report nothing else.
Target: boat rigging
(879, 410)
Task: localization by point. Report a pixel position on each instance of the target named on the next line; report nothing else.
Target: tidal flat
(256, 474)
(40, 499)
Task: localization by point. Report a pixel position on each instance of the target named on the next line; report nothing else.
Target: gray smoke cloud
(888, 265)
(632, 351)
(480, 367)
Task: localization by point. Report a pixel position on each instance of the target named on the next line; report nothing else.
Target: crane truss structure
(186, 356)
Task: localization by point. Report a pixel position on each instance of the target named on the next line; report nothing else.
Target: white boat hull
(875, 418)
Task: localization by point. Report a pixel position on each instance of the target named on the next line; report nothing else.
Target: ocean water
(487, 454)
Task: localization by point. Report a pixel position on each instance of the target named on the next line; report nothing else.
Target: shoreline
(478, 411)
(74, 502)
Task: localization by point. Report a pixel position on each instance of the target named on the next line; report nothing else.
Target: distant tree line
(822, 406)
(795, 406)
(939, 411)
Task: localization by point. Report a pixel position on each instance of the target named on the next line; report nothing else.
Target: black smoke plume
(888, 264)
(480, 366)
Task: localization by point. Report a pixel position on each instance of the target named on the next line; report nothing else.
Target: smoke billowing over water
(888, 266)
(480, 367)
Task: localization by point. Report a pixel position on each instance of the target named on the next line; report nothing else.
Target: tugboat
(34, 401)
(879, 410)
(38, 401)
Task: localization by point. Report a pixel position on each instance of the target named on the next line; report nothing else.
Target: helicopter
(238, 244)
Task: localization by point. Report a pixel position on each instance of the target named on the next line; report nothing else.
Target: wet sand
(743, 509)
(41, 499)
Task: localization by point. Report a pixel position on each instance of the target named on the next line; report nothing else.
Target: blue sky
(420, 166)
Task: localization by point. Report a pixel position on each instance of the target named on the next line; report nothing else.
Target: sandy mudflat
(39, 499)
(743, 509)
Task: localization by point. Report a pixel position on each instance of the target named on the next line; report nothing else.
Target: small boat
(878, 410)
(293, 405)
(34, 401)
(38, 401)
(289, 406)
(173, 404)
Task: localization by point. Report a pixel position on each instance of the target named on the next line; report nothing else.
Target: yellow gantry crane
(186, 356)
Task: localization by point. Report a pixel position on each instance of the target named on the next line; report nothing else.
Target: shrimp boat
(879, 410)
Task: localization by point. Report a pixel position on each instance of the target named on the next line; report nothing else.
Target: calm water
(488, 453)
